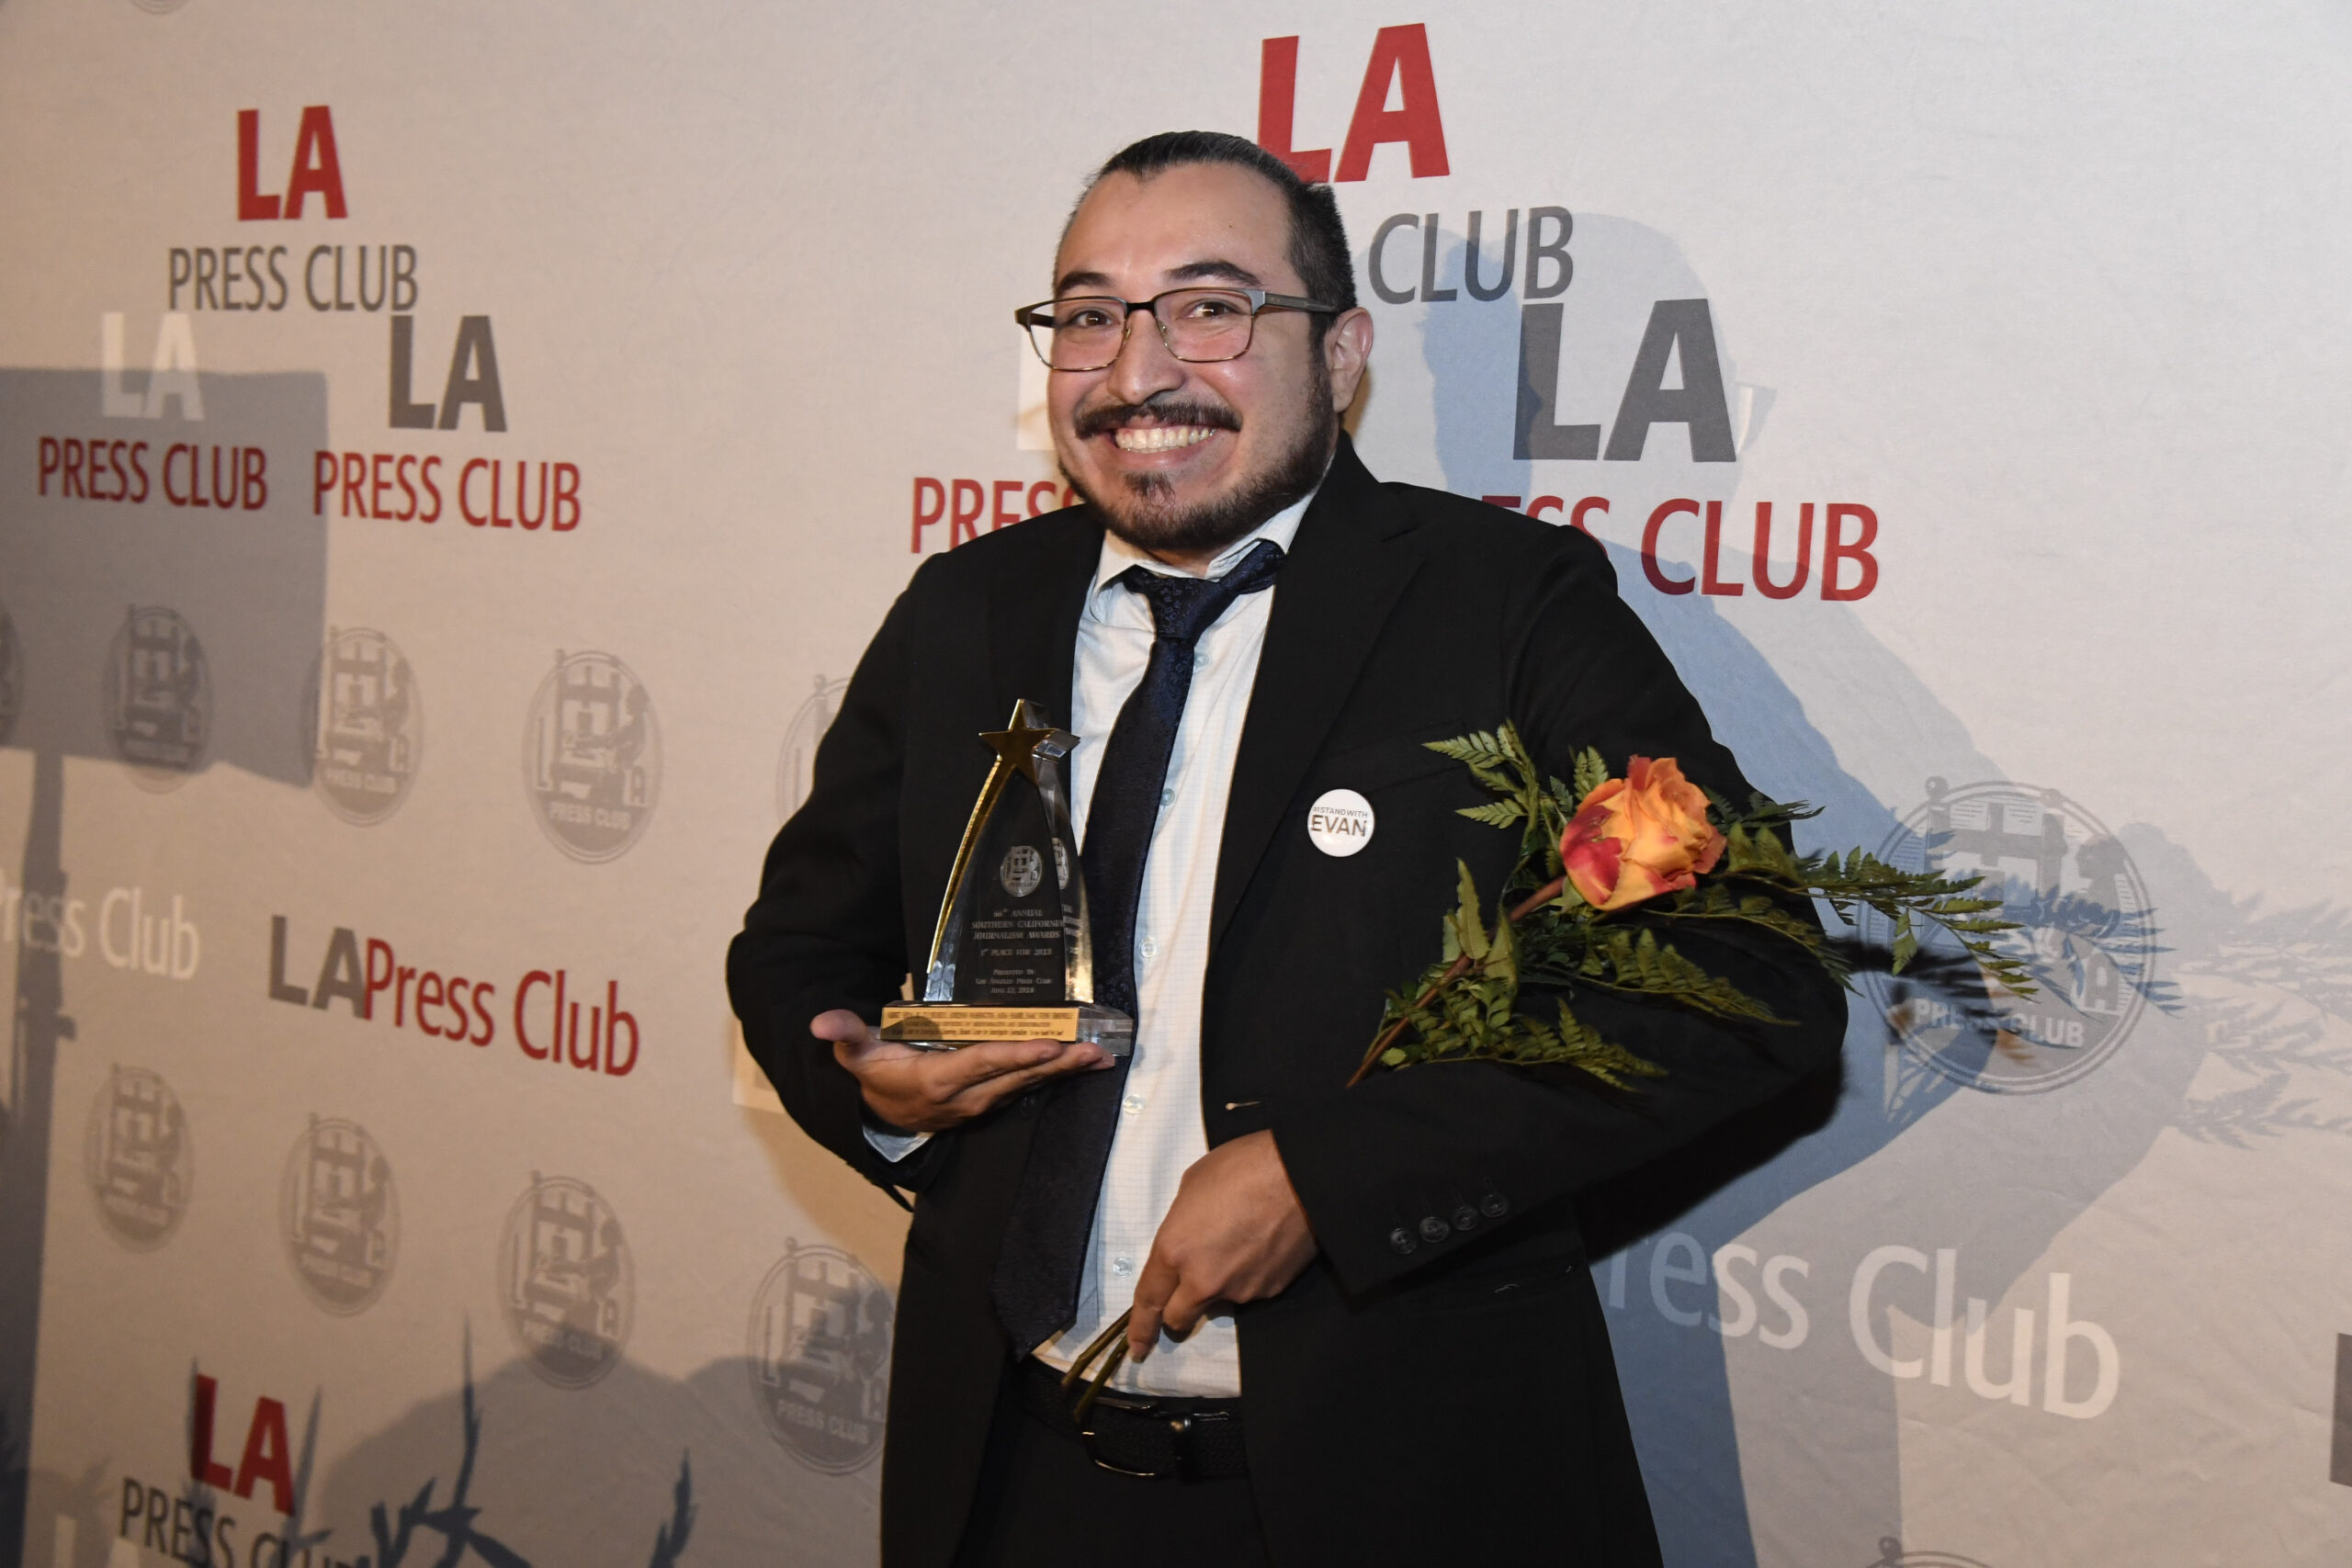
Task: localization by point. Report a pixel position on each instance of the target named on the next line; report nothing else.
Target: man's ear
(1347, 349)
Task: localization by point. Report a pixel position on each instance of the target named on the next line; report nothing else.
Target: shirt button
(1151, 948)
(1466, 1218)
(1199, 661)
(1167, 796)
(1122, 1266)
(1131, 1104)
(1434, 1229)
(1493, 1206)
(1402, 1241)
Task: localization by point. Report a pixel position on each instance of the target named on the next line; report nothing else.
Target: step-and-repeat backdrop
(450, 460)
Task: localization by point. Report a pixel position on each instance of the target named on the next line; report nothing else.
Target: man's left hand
(1235, 1233)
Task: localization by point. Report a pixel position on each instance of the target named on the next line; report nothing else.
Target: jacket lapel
(1036, 598)
(1343, 576)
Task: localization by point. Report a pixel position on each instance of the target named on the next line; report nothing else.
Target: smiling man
(1363, 1326)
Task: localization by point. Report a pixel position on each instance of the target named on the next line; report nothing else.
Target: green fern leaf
(1605, 1060)
(1591, 772)
(1469, 919)
(1906, 941)
(1502, 960)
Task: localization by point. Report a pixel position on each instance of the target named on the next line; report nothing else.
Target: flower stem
(1454, 971)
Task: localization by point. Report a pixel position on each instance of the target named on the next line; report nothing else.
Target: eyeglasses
(1200, 326)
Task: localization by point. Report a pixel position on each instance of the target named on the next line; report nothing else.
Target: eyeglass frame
(1260, 301)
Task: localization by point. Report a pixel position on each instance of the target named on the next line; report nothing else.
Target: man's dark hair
(1318, 238)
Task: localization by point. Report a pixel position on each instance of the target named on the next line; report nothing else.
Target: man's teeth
(1159, 437)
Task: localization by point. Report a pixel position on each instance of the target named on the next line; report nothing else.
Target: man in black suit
(1364, 1329)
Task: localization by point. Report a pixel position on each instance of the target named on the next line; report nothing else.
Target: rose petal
(1593, 866)
(1712, 851)
(1634, 883)
(1606, 790)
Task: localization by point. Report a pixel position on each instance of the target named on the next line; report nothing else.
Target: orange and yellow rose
(1637, 836)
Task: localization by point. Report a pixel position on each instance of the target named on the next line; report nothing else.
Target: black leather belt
(1192, 1439)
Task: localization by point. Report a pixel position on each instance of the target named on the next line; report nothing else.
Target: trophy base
(945, 1026)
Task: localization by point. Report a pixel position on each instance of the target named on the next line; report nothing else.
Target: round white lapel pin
(1340, 822)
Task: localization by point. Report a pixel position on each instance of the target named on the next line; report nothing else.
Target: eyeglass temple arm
(1113, 1339)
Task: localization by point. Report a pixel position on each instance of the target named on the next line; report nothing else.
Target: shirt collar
(1282, 528)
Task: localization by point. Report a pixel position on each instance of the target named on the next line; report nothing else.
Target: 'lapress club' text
(553, 1018)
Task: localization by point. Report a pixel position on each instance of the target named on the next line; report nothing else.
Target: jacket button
(1402, 1240)
(1493, 1206)
(1466, 1218)
(1434, 1229)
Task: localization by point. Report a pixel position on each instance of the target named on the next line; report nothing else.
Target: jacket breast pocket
(1380, 769)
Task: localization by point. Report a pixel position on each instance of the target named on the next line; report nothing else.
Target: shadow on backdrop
(508, 1471)
(1999, 1200)
(163, 593)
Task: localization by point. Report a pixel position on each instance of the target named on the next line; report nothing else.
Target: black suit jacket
(1415, 1396)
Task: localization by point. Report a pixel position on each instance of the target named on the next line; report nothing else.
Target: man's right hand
(929, 1091)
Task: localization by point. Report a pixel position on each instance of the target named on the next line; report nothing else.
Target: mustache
(1108, 417)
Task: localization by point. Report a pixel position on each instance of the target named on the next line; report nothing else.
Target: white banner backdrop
(451, 461)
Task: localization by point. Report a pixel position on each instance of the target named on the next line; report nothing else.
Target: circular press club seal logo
(797, 762)
(591, 756)
(158, 696)
(339, 1215)
(820, 1357)
(1022, 870)
(2086, 938)
(365, 726)
(137, 1159)
(565, 1282)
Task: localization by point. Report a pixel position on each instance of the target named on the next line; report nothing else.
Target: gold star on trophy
(1025, 734)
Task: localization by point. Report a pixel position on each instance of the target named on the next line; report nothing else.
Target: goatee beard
(1139, 512)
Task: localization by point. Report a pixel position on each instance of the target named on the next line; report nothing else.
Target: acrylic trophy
(1011, 957)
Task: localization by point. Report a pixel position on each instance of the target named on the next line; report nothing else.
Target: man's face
(1184, 458)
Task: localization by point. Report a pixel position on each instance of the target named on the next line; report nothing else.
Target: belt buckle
(1180, 1429)
(1111, 1347)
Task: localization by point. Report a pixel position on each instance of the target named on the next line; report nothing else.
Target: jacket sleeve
(1388, 1169)
(827, 930)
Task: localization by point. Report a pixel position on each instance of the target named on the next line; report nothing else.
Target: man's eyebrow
(1214, 268)
(1224, 271)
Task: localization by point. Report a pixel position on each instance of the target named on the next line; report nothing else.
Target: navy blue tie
(1045, 1242)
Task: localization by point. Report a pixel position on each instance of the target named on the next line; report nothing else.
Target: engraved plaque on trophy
(1011, 957)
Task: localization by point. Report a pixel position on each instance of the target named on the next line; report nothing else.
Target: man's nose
(1145, 369)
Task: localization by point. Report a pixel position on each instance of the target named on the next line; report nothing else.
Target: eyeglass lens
(1198, 325)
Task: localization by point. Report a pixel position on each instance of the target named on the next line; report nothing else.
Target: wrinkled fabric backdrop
(449, 464)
